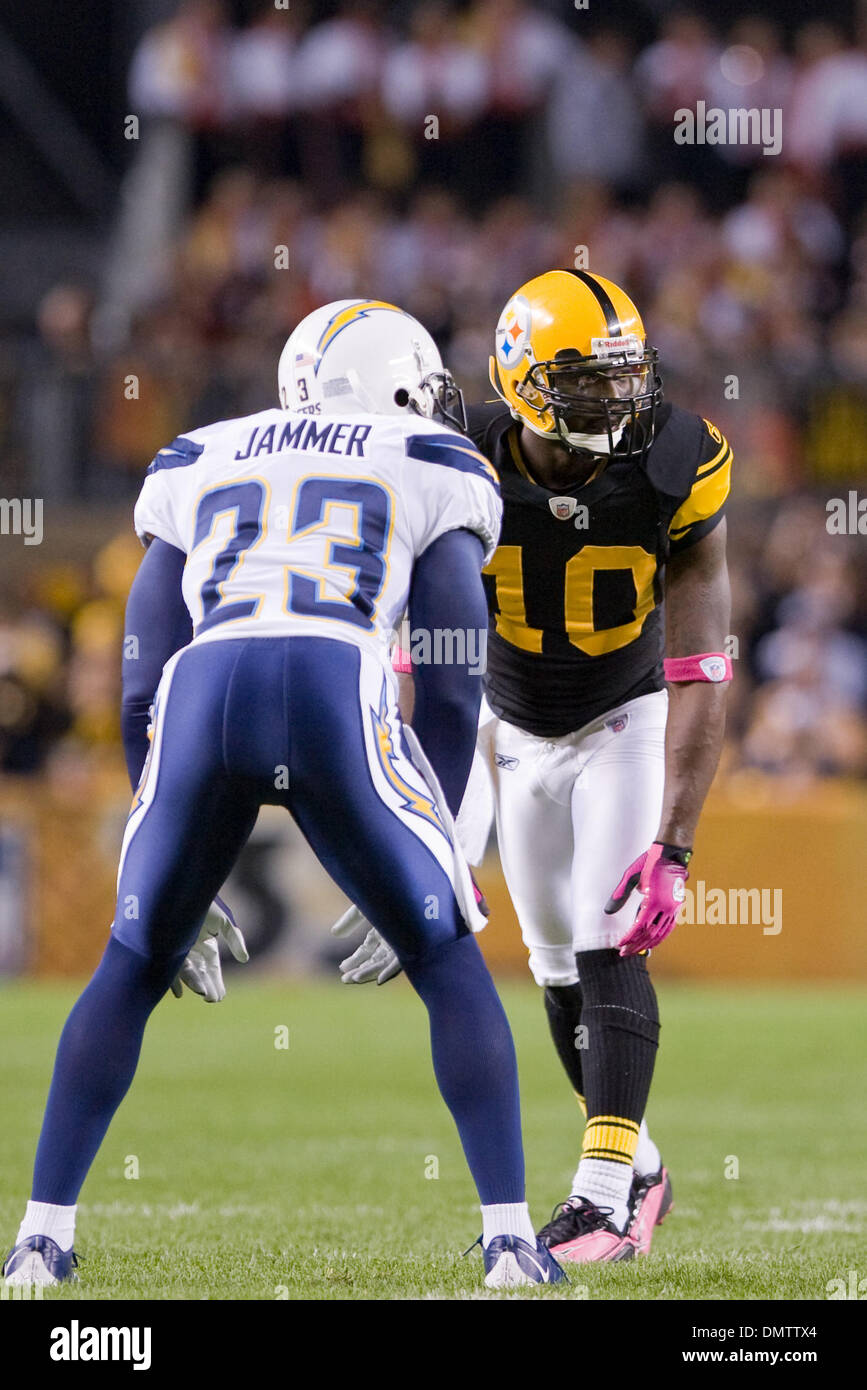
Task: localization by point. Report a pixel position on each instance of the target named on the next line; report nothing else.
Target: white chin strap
(594, 443)
(422, 400)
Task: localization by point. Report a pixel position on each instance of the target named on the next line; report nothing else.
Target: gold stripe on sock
(610, 1137)
(616, 1120)
(582, 1102)
(609, 1156)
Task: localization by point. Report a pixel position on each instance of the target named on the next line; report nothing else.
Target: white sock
(43, 1219)
(647, 1155)
(606, 1184)
(507, 1219)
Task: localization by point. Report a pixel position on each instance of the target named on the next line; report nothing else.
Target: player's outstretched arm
(446, 594)
(159, 624)
(697, 616)
(447, 597)
(698, 608)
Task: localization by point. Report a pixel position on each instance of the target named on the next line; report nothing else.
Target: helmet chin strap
(592, 443)
(422, 401)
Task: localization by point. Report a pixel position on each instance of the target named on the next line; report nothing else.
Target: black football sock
(621, 1016)
(563, 1007)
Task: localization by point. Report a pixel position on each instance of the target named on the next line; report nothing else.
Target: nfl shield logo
(617, 724)
(563, 507)
(714, 668)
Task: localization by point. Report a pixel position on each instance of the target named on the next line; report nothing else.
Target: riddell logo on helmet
(629, 347)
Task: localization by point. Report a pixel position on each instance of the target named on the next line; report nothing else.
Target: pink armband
(401, 662)
(706, 666)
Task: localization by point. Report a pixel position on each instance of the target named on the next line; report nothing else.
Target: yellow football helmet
(571, 361)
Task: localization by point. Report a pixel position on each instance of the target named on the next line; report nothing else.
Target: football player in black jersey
(604, 713)
(613, 501)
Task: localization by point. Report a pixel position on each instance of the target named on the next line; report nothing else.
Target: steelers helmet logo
(513, 331)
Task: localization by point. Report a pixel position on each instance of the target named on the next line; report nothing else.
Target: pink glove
(661, 880)
(481, 900)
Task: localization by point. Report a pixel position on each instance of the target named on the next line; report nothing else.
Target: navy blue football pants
(310, 724)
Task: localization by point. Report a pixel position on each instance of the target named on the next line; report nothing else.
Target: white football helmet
(363, 355)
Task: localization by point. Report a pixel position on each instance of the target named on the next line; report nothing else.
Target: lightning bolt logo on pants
(413, 800)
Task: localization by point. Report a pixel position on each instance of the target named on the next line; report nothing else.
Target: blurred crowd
(511, 84)
(313, 179)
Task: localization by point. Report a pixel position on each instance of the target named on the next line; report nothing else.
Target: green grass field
(300, 1172)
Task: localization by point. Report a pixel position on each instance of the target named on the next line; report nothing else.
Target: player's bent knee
(125, 965)
(155, 935)
(566, 997)
(552, 966)
(458, 962)
(421, 943)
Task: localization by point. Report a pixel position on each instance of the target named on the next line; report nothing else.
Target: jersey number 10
(577, 612)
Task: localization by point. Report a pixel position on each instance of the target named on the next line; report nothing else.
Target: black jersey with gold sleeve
(575, 586)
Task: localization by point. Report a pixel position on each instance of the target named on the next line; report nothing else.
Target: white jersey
(296, 524)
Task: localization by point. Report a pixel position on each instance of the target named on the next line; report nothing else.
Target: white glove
(201, 971)
(374, 959)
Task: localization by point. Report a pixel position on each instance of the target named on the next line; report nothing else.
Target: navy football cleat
(39, 1260)
(511, 1262)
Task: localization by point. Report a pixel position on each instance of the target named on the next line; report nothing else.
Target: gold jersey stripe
(705, 499)
(722, 463)
(706, 467)
(517, 459)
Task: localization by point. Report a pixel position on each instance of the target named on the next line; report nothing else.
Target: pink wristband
(706, 666)
(401, 662)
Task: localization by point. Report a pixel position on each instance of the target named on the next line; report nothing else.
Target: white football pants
(572, 814)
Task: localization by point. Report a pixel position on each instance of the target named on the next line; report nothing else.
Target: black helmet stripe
(606, 304)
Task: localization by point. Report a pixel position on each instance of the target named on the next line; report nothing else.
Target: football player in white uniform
(281, 550)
